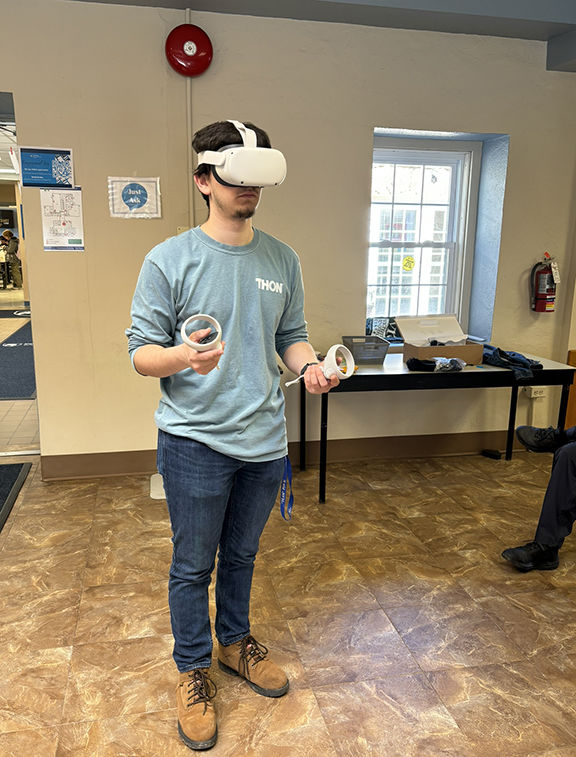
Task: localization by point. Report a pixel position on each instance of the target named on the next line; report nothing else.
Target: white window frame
(467, 155)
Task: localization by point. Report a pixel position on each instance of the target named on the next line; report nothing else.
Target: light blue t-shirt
(255, 292)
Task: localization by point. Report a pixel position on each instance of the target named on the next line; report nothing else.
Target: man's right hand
(201, 362)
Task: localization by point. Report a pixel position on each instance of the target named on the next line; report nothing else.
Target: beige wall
(104, 89)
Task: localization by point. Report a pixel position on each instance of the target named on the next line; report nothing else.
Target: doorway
(19, 432)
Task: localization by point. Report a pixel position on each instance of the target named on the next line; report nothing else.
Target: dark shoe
(196, 714)
(532, 556)
(249, 659)
(539, 439)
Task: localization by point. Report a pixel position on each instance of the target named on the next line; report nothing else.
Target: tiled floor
(11, 297)
(18, 418)
(18, 426)
(403, 631)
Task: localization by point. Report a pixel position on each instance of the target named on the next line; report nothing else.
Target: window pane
(379, 262)
(380, 222)
(408, 184)
(405, 223)
(404, 300)
(437, 181)
(378, 301)
(406, 266)
(432, 300)
(434, 224)
(434, 266)
(382, 182)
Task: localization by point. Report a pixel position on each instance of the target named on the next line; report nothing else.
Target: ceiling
(551, 21)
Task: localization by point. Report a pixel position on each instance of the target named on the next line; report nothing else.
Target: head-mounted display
(246, 164)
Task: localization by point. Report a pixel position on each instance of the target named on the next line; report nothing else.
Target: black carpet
(22, 312)
(12, 476)
(17, 380)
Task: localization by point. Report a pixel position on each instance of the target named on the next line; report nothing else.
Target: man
(12, 258)
(559, 506)
(222, 438)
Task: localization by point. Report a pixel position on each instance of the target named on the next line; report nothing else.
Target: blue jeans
(214, 502)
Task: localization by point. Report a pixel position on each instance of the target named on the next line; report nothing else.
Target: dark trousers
(15, 270)
(559, 507)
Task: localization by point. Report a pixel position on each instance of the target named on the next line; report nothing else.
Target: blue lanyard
(286, 482)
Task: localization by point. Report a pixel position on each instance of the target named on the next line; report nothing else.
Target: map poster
(134, 198)
(46, 167)
(62, 225)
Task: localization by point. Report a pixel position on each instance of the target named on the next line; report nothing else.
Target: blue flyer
(46, 167)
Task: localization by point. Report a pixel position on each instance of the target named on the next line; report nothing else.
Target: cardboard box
(418, 330)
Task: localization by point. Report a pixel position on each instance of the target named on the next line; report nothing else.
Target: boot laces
(532, 546)
(545, 434)
(251, 651)
(199, 688)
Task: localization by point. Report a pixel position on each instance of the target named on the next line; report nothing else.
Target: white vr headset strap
(214, 158)
(211, 158)
(248, 135)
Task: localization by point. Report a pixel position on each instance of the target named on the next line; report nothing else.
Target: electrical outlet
(535, 392)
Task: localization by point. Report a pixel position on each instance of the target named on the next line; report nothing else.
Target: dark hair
(221, 134)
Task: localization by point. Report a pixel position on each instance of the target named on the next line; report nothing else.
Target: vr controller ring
(202, 347)
(331, 366)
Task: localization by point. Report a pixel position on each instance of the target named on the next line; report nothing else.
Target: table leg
(563, 406)
(302, 425)
(511, 421)
(323, 445)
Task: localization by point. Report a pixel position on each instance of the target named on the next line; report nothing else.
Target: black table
(393, 375)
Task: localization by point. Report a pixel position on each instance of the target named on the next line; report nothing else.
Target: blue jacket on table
(522, 366)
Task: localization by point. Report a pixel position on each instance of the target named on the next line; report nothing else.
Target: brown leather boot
(196, 715)
(248, 658)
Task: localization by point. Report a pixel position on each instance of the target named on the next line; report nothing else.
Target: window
(422, 227)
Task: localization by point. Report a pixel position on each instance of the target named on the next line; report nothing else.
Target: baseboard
(97, 465)
(102, 464)
(396, 447)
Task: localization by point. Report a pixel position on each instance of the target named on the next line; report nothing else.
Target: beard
(244, 214)
(238, 212)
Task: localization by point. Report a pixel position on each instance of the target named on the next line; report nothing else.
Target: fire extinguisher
(543, 279)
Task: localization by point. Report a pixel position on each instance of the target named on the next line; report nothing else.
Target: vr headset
(246, 164)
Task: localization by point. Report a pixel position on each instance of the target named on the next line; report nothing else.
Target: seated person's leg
(556, 517)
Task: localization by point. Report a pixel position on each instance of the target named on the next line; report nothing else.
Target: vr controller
(331, 366)
(246, 164)
(211, 341)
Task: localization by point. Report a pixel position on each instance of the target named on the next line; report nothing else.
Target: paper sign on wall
(62, 224)
(134, 198)
(46, 167)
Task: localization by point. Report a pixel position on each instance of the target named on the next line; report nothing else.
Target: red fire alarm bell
(189, 50)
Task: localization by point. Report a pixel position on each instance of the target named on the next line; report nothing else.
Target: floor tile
(122, 611)
(32, 690)
(356, 646)
(117, 678)
(484, 702)
(394, 717)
